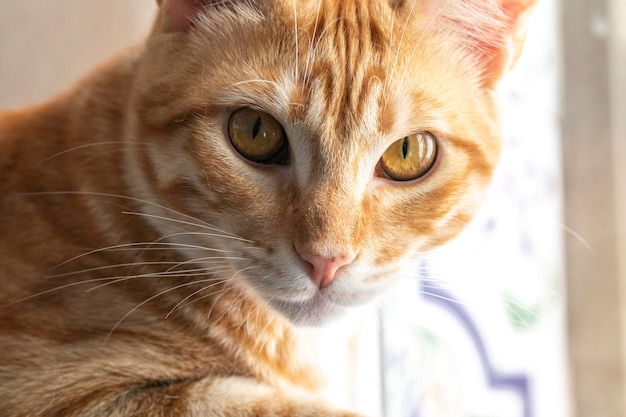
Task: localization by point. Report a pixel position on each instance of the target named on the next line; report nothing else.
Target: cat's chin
(314, 312)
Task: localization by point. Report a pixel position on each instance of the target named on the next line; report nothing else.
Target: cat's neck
(279, 352)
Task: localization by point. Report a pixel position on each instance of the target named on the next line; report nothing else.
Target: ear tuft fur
(518, 12)
(501, 53)
(493, 31)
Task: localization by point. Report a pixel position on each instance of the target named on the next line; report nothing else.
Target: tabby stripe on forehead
(347, 30)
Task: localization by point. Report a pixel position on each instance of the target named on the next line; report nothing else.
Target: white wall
(45, 45)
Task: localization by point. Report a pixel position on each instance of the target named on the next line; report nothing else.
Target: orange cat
(184, 233)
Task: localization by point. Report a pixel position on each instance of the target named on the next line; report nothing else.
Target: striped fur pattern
(149, 269)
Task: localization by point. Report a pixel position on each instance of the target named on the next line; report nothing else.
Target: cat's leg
(246, 397)
(220, 397)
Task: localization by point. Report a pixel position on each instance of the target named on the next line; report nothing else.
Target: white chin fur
(314, 312)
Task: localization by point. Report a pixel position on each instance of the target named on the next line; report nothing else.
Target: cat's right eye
(258, 137)
(410, 157)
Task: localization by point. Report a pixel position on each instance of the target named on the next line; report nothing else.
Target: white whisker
(169, 219)
(140, 246)
(449, 299)
(578, 237)
(424, 32)
(267, 325)
(102, 268)
(213, 259)
(159, 294)
(113, 280)
(91, 145)
(312, 50)
(222, 291)
(295, 20)
(170, 274)
(180, 304)
(328, 26)
(258, 81)
(121, 197)
(207, 235)
(59, 288)
(238, 300)
(401, 41)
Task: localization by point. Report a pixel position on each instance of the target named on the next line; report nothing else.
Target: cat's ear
(492, 30)
(178, 15)
(499, 53)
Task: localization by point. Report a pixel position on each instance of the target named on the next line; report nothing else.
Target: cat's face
(318, 146)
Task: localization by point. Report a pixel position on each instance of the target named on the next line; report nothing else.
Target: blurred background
(46, 45)
(524, 314)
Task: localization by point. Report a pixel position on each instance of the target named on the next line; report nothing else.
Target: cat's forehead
(347, 68)
(342, 65)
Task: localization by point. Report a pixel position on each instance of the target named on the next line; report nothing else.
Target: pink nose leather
(322, 269)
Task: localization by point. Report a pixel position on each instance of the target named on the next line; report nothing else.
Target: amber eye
(257, 136)
(410, 157)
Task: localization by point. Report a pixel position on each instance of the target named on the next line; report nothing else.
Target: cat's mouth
(323, 306)
(297, 299)
(316, 311)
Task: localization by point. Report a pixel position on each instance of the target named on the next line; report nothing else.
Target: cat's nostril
(323, 269)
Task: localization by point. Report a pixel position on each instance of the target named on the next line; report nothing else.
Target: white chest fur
(347, 355)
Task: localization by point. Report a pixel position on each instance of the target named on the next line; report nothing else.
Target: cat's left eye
(410, 157)
(258, 137)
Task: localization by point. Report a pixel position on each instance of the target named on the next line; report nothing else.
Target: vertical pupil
(256, 127)
(405, 147)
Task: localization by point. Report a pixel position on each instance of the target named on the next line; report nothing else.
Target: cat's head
(320, 144)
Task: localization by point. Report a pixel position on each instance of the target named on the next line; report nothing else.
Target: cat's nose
(323, 269)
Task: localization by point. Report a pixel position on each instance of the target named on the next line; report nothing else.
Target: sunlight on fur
(197, 228)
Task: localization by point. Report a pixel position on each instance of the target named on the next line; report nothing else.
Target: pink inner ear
(179, 14)
(518, 12)
(498, 59)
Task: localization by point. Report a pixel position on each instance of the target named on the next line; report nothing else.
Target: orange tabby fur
(147, 269)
